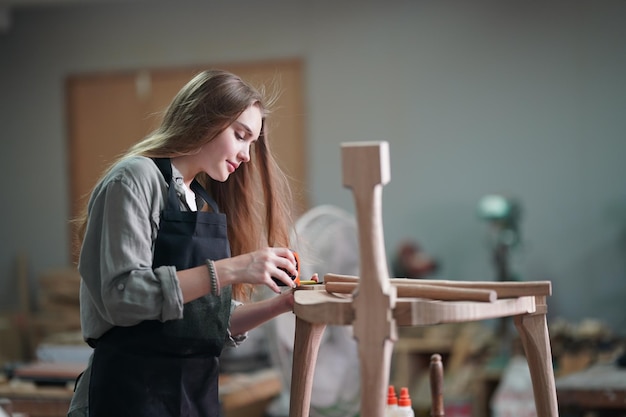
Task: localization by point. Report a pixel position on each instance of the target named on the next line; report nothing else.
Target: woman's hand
(258, 268)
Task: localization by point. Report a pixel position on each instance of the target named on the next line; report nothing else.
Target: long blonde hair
(256, 198)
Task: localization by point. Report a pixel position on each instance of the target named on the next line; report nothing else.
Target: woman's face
(222, 156)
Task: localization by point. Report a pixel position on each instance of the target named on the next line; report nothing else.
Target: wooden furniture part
(374, 308)
(436, 386)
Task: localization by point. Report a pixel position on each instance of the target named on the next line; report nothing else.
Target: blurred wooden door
(109, 112)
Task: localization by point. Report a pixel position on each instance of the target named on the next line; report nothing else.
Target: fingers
(282, 277)
(287, 270)
(280, 265)
(272, 267)
(288, 263)
(287, 260)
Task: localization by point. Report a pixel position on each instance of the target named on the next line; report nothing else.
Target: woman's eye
(239, 136)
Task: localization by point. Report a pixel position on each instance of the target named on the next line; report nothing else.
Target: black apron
(169, 369)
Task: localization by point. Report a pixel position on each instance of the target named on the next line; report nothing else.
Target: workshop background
(525, 99)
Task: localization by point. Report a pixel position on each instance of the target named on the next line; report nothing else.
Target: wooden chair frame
(375, 305)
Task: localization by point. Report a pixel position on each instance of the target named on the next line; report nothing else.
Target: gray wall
(522, 97)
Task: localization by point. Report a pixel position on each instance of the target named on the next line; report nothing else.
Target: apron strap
(200, 191)
(165, 166)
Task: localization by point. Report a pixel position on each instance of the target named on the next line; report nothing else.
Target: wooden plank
(337, 309)
(416, 290)
(422, 312)
(509, 289)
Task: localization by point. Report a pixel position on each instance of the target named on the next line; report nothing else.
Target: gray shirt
(119, 287)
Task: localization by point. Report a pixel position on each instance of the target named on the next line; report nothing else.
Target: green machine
(503, 216)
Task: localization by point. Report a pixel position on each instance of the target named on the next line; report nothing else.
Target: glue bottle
(405, 408)
(392, 402)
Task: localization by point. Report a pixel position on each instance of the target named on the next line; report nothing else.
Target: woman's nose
(244, 153)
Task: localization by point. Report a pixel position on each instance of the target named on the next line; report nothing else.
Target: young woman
(175, 233)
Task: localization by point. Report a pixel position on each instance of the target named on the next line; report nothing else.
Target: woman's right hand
(258, 268)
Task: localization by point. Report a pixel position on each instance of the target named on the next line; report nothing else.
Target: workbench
(600, 388)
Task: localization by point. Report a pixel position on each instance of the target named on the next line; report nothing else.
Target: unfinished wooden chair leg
(533, 330)
(306, 345)
(365, 171)
(436, 386)
(375, 364)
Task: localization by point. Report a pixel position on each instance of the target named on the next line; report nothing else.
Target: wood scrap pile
(58, 303)
(576, 346)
